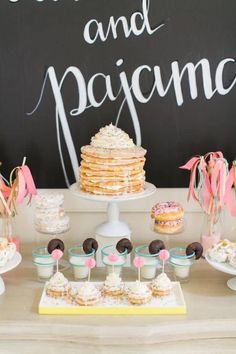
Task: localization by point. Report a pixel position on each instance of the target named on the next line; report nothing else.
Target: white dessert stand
(165, 237)
(113, 229)
(13, 263)
(225, 268)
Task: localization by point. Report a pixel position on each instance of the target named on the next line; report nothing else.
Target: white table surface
(210, 322)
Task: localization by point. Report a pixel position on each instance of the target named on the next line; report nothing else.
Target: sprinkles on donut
(168, 217)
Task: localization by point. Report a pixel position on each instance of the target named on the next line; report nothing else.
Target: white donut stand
(113, 229)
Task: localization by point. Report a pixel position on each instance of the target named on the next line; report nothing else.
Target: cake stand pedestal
(225, 268)
(13, 263)
(111, 231)
(165, 237)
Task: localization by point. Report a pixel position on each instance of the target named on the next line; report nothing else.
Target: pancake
(90, 173)
(134, 152)
(112, 164)
(105, 191)
(113, 161)
(110, 184)
(136, 176)
(97, 167)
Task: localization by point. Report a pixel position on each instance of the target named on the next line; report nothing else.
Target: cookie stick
(5, 204)
(90, 263)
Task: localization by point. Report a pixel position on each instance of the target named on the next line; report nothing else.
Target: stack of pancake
(112, 164)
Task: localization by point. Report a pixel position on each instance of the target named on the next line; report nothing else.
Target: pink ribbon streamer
(31, 189)
(26, 184)
(4, 189)
(216, 181)
(21, 188)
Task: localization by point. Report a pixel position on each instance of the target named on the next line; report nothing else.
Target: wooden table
(209, 326)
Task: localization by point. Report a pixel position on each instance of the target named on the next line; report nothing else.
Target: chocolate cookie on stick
(55, 244)
(196, 248)
(90, 245)
(124, 244)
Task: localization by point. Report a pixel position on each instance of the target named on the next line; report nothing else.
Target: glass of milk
(77, 259)
(44, 263)
(113, 266)
(148, 271)
(181, 263)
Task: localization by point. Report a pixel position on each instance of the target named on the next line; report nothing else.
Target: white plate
(149, 189)
(14, 262)
(222, 267)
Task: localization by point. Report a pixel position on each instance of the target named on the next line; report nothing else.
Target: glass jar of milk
(44, 263)
(77, 259)
(181, 263)
(148, 271)
(113, 266)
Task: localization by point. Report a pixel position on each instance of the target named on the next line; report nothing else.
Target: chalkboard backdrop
(164, 70)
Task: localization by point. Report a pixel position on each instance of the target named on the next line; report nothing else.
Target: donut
(168, 217)
(55, 244)
(196, 248)
(124, 244)
(90, 245)
(156, 246)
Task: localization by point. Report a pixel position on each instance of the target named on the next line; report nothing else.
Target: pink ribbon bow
(214, 181)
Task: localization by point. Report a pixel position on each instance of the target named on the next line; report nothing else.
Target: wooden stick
(5, 203)
(24, 161)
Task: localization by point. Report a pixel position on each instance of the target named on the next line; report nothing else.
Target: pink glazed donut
(168, 217)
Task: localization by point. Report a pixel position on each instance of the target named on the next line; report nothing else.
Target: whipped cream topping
(232, 259)
(7, 253)
(58, 282)
(218, 255)
(162, 282)
(227, 245)
(3, 257)
(73, 291)
(111, 137)
(113, 281)
(166, 207)
(139, 288)
(11, 250)
(88, 291)
(223, 251)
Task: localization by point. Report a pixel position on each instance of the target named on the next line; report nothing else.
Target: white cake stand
(165, 237)
(225, 268)
(13, 263)
(113, 229)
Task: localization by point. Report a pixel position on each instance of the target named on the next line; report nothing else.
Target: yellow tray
(173, 304)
